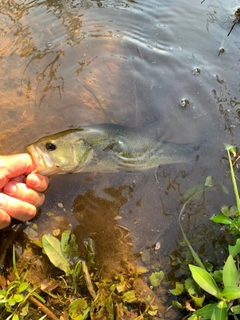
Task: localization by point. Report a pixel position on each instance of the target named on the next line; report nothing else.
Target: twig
(43, 308)
(231, 28)
(88, 279)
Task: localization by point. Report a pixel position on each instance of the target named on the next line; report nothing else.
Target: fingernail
(2, 201)
(10, 189)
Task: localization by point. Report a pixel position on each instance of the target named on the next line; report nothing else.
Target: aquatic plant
(214, 293)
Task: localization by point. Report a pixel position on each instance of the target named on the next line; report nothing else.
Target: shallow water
(128, 62)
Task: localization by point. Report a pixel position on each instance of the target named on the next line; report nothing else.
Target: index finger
(15, 165)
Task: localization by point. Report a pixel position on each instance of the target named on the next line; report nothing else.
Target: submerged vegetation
(75, 289)
(213, 292)
(79, 292)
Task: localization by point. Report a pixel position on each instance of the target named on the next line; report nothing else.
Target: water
(71, 63)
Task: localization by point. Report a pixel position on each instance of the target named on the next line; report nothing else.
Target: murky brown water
(71, 63)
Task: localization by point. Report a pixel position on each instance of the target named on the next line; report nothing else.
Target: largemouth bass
(106, 147)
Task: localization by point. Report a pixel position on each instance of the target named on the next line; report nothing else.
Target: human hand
(20, 189)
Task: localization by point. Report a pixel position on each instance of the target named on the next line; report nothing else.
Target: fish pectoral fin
(81, 143)
(111, 146)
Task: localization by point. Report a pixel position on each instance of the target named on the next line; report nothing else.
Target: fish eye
(50, 146)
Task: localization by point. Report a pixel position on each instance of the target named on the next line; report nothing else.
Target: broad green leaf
(18, 297)
(156, 278)
(153, 310)
(225, 210)
(235, 309)
(23, 286)
(15, 317)
(193, 192)
(11, 302)
(79, 309)
(68, 244)
(53, 250)
(206, 311)
(208, 182)
(178, 289)
(218, 275)
(191, 286)
(230, 273)
(204, 280)
(198, 300)
(234, 250)
(193, 317)
(221, 218)
(231, 293)
(233, 211)
(220, 312)
(225, 189)
(73, 247)
(65, 237)
(177, 304)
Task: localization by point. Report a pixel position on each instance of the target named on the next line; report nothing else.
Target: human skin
(21, 190)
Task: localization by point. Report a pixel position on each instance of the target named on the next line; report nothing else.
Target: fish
(107, 148)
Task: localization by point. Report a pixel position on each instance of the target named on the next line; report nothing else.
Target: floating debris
(184, 103)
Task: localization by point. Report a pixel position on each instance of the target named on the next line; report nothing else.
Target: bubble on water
(184, 103)
(157, 246)
(76, 4)
(49, 45)
(40, 76)
(196, 71)
(221, 50)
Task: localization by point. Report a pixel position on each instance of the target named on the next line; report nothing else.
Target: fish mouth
(45, 165)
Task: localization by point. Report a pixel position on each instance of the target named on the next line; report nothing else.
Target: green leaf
(15, 317)
(198, 300)
(18, 297)
(53, 250)
(220, 312)
(79, 309)
(204, 280)
(156, 278)
(68, 244)
(221, 218)
(234, 250)
(230, 273)
(178, 289)
(191, 286)
(207, 311)
(193, 317)
(225, 189)
(208, 182)
(65, 237)
(177, 304)
(23, 286)
(235, 309)
(231, 293)
(193, 192)
(218, 275)
(225, 210)
(129, 296)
